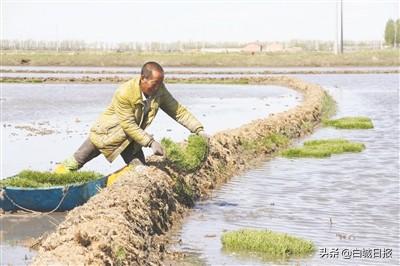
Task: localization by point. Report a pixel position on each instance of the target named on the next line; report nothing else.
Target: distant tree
(390, 32)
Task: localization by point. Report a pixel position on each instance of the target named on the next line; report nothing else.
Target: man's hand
(157, 149)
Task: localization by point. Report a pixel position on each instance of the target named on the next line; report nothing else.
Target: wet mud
(128, 223)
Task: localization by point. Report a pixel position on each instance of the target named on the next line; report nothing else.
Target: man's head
(151, 78)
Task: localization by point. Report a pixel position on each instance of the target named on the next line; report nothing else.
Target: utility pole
(338, 47)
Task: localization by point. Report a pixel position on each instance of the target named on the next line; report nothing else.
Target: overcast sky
(165, 21)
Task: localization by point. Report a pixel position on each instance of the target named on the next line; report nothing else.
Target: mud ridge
(186, 72)
(119, 79)
(127, 223)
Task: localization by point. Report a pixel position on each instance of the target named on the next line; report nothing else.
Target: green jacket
(123, 121)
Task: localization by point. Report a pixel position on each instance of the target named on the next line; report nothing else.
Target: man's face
(150, 86)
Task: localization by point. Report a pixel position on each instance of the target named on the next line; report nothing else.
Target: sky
(212, 21)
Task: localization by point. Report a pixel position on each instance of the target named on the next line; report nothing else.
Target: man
(120, 128)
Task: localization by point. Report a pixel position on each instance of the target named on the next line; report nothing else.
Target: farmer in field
(120, 129)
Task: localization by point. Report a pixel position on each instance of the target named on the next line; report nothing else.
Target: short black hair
(148, 67)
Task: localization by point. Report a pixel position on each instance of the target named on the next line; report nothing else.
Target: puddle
(18, 231)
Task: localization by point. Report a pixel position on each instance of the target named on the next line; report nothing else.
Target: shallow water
(358, 192)
(70, 109)
(123, 75)
(349, 202)
(44, 123)
(19, 230)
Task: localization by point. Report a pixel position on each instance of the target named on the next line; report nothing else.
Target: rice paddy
(186, 157)
(37, 179)
(266, 243)
(328, 107)
(265, 143)
(350, 122)
(323, 148)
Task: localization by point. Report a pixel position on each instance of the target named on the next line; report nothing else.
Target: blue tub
(58, 198)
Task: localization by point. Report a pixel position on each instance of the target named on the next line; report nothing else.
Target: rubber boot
(134, 165)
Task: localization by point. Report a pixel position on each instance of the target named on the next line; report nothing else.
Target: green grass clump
(278, 139)
(186, 158)
(266, 142)
(323, 148)
(120, 256)
(328, 107)
(350, 122)
(269, 244)
(36, 179)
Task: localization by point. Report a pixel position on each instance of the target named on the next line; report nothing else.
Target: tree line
(392, 33)
(178, 46)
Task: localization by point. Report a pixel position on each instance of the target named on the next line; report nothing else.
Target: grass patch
(350, 122)
(307, 126)
(388, 57)
(36, 179)
(186, 157)
(120, 256)
(323, 148)
(269, 244)
(328, 107)
(265, 143)
(277, 139)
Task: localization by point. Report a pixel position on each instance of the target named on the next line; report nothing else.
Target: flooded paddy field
(44, 123)
(122, 75)
(345, 204)
(49, 121)
(348, 201)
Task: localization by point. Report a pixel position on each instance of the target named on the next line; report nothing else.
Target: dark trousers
(87, 151)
